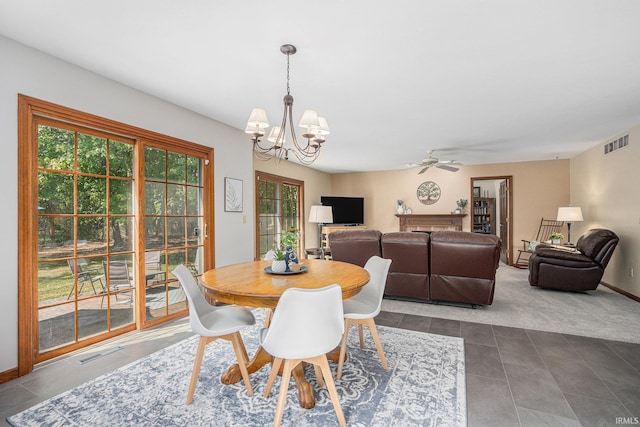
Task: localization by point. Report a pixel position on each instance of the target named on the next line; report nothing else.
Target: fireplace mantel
(431, 222)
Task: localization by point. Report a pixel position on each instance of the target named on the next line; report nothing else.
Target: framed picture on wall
(476, 191)
(232, 195)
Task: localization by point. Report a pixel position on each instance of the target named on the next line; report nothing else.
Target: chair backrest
(198, 306)
(306, 323)
(598, 244)
(152, 259)
(81, 262)
(547, 228)
(118, 273)
(355, 246)
(372, 292)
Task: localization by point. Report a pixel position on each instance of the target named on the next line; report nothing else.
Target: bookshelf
(484, 215)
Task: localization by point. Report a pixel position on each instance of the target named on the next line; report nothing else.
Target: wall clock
(428, 192)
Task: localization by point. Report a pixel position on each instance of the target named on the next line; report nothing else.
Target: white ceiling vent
(621, 142)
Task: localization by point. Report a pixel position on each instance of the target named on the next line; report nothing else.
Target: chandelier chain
(288, 90)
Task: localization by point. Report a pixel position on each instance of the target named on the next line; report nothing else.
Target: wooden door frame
(509, 179)
(28, 109)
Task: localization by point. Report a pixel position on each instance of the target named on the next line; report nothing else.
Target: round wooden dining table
(251, 284)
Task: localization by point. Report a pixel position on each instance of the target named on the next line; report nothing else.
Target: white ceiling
(480, 81)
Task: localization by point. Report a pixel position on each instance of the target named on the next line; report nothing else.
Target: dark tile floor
(515, 377)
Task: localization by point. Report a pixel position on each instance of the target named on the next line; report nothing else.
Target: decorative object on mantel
(462, 203)
(400, 207)
(315, 129)
(428, 192)
(569, 214)
(408, 211)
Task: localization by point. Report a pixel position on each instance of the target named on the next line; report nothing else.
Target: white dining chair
(363, 307)
(306, 324)
(212, 323)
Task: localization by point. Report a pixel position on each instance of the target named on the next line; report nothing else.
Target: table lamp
(569, 214)
(321, 215)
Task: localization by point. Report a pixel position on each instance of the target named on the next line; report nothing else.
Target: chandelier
(314, 129)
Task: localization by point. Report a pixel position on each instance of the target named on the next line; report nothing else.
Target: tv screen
(346, 210)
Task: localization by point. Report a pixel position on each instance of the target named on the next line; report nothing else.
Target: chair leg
(361, 335)
(331, 387)
(284, 387)
(343, 347)
(275, 367)
(267, 317)
(243, 359)
(376, 339)
(318, 372)
(196, 368)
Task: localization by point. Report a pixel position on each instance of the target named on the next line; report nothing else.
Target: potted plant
(462, 203)
(556, 238)
(278, 265)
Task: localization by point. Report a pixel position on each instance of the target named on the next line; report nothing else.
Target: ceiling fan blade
(447, 168)
(423, 170)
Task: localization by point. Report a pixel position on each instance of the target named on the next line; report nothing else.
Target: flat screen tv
(346, 210)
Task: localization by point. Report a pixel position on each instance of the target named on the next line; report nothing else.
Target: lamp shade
(321, 214)
(309, 120)
(258, 118)
(570, 214)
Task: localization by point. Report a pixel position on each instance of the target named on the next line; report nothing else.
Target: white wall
(32, 73)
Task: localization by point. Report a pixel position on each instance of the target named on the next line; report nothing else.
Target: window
(278, 207)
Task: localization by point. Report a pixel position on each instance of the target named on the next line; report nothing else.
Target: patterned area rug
(424, 386)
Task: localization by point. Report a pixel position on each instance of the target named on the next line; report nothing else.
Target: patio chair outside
(90, 275)
(118, 278)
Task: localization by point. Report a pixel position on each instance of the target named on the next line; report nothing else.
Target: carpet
(601, 313)
(424, 386)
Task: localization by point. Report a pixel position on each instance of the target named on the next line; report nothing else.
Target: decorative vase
(555, 241)
(458, 211)
(400, 210)
(290, 256)
(278, 266)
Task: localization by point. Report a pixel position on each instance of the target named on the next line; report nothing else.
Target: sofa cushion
(354, 246)
(409, 272)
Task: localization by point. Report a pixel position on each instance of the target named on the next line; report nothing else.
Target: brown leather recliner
(355, 246)
(579, 271)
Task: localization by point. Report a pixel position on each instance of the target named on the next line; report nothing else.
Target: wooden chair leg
(343, 347)
(331, 387)
(284, 387)
(267, 318)
(275, 367)
(376, 339)
(318, 372)
(202, 344)
(243, 359)
(361, 335)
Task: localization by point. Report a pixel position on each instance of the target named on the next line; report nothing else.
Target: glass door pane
(85, 220)
(173, 227)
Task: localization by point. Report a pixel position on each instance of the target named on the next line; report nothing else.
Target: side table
(317, 253)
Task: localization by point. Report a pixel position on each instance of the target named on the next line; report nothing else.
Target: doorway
(492, 210)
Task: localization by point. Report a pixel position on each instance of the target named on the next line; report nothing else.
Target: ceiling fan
(431, 161)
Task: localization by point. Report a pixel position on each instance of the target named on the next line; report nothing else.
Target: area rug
(601, 313)
(424, 386)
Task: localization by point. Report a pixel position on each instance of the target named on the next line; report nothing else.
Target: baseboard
(9, 375)
(621, 292)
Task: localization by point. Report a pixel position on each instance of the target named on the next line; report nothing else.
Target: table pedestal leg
(260, 359)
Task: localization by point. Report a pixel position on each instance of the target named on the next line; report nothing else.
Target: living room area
(532, 357)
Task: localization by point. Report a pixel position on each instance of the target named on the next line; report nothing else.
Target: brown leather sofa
(554, 268)
(452, 266)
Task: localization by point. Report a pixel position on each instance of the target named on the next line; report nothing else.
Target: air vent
(621, 142)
